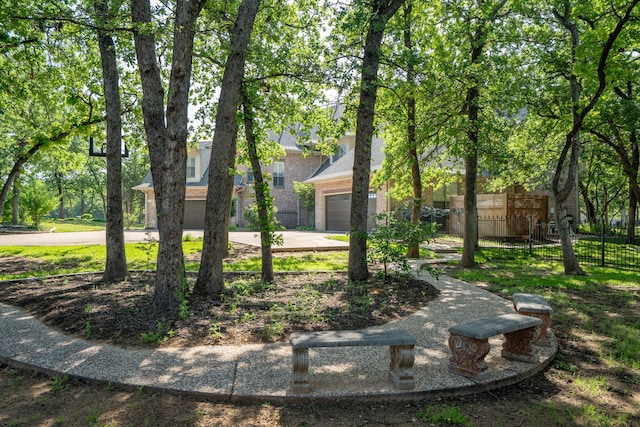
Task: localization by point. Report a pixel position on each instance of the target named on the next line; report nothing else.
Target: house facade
(333, 181)
(331, 176)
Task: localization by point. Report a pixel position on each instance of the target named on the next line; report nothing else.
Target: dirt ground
(121, 314)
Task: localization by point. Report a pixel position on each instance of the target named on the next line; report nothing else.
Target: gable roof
(147, 182)
(343, 167)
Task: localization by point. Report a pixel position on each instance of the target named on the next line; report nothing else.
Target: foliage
(392, 236)
(37, 201)
(250, 215)
(448, 414)
(306, 194)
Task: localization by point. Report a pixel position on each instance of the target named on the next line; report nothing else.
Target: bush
(250, 215)
(392, 236)
(37, 202)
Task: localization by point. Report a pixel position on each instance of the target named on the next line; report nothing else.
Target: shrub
(37, 201)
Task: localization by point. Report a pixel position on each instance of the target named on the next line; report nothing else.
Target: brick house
(333, 182)
(331, 175)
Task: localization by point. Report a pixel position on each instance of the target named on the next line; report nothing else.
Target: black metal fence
(604, 247)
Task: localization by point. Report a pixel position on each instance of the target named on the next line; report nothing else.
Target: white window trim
(196, 159)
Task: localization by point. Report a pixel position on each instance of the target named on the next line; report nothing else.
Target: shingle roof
(147, 182)
(343, 167)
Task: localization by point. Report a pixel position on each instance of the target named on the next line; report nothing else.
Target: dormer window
(192, 168)
(342, 150)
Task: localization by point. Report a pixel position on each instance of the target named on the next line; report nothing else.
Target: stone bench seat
(535, 305)
(401, 348)
(469, 342)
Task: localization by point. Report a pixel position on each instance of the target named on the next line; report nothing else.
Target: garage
(338, 211)
(194, 214)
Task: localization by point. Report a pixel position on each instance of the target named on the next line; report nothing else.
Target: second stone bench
(469, 342)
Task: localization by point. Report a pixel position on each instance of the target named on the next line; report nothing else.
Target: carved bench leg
(518, 345)
(544, 338)
(300, 381)
(401, 366)
(468, 355)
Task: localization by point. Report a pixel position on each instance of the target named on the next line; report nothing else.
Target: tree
(380, 13)
(116, 263)
(616, 127)
(264, 201)
(37, 201)
(167, 139)
(477, 40)
(218, 205)
(566, 170)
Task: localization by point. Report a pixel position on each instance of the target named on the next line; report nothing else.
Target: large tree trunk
(562, 192)
(477, 39)
(210, 281)
(263, 200)
(167, 143)
(58, 178)
(382, 11)
(470, 181)
(416, 179)
(116, 263)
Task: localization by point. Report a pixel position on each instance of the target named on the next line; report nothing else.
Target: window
(191, 167)
(278, 174)
(342, 150)
(249, 175)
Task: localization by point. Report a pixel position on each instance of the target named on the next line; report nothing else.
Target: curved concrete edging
(262, 372)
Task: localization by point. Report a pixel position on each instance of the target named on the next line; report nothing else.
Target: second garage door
(338, 209)
(194, 214)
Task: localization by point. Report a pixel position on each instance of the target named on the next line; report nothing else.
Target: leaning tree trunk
(572, 141)
(383, 11)
(264, 201)
(210, 281)
(116, 263)
(15, 206)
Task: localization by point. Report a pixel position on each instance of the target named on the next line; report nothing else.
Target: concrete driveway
(293, 240)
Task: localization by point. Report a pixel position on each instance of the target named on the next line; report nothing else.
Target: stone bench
(535, 305)
(469, 342)
(401, 348)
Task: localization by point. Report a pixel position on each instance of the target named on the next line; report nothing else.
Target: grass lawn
(594, 381)
(68, 226)
(142, 256)
(596, 319)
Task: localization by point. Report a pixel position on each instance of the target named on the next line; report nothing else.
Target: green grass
(323, 261)
(583, 305)
(339, 238)
(142, 256)
(79, 258)
(72, 226)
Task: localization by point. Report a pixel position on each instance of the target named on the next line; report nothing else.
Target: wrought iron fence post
(530, 234)
(602, 244)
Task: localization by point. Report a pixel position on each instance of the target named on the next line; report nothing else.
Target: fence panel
(540, 239)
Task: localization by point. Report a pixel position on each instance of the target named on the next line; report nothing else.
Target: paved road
(292, 239)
